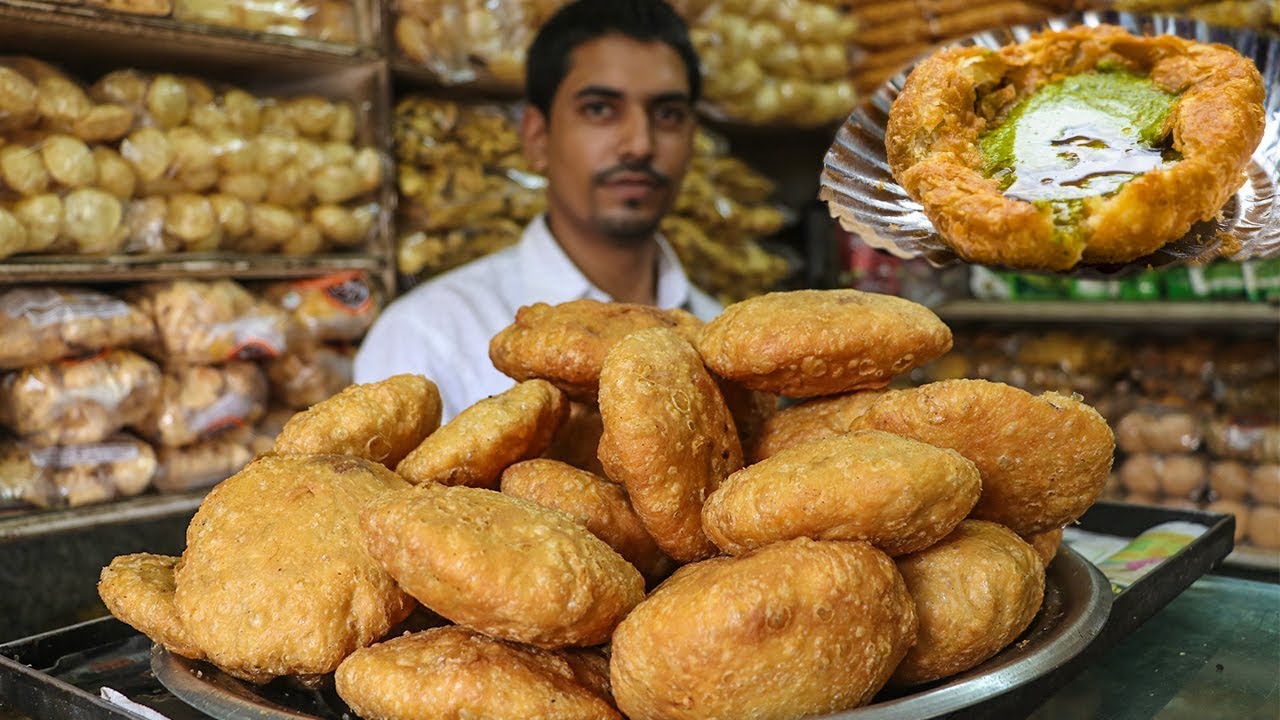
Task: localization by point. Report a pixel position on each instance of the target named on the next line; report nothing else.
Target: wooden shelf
(133, 268)
(36, 523)
(1086, 312)
(29, 27)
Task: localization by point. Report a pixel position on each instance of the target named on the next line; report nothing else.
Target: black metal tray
(54, 676)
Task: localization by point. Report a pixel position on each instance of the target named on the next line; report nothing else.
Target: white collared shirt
(441, 329)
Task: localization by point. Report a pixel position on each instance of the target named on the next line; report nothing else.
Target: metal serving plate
(1075, 609)
(861, 193)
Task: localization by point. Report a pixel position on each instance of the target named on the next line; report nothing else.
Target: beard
(633, 223)
(628, 228)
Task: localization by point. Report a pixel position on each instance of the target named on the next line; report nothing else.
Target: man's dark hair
(582, 21)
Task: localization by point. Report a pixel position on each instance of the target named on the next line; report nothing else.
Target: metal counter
(1214, 652)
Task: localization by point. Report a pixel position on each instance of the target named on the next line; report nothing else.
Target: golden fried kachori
(900, 495)
(453, 672)
(669, 438)
(275, 579)
(597, 504)
(480, 442)
(796, 628)
(1084, 144)
(814, 419)
(138, 590)
(566, 343)
(1044, 459)
(578, 440)
(806, 343)
(1046, 544)
(381, 421)
(975, 592)
(501, 565)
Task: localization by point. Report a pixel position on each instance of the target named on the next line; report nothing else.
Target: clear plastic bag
(202, 464)
(74, 475)
(72, 402)
(199, 401)
(330, 20)
(464, 41)
(43, 324)
(304, 377)
(338, 307)
(205, 323)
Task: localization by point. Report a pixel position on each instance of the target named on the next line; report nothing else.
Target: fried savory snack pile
(854, 547)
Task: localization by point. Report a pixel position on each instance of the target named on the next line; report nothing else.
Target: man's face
(618, 141)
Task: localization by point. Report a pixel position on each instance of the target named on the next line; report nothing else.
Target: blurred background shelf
(1156, 313)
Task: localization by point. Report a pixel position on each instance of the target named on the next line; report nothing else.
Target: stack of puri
(634, 529)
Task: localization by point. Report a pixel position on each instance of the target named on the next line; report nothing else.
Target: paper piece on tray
(115, 697)
(1125, 561)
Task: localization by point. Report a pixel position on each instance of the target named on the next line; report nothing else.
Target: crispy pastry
(291, 591)
(897, 494)
(668, 436)
(138, 590)
(807, 343)
(476, 446)
(1044, 459)
(599, 505)
(566, 343)
(503, 566)
(794, 629)
(814, 419)
(1193, 116)
(381, 421)
(453, 672)
(974, 593)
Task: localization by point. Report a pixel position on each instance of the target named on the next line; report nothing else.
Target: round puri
(501, 565)
(806, 343)
(452, 672)
(138, 590)
(975, 592)
(567, 343)
(814, 419)
(797, 628)
(381, 421)
(1044, 459)
(476, 446)
(597, 504)
(956, 94)
(897, 494)
(577, 442)
(668, 436)
(1046, 544)
(275, 579)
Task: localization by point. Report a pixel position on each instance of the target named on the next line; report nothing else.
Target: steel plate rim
(976, 686)
(1069, 573)
(181, 677)
(907, 233)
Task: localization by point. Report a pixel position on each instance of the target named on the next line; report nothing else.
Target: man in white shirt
(611, 86)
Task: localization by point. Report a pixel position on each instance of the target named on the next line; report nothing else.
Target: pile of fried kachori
(635, 529)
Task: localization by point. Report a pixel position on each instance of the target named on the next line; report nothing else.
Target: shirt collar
(551, 277)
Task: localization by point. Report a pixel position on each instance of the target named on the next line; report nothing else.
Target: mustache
(609, 174)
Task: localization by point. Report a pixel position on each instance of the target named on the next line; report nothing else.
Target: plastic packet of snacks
(79, 401)
(74, 475)
(47, 323)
